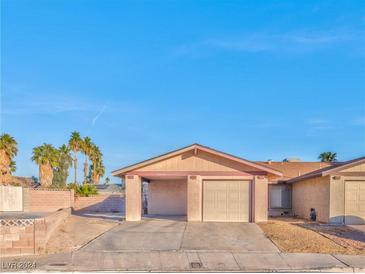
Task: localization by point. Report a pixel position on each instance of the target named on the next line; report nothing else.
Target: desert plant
(83, 190)
(328, 156)
(46, 157)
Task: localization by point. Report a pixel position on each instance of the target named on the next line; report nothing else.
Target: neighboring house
(280, 193)
(24, 181)
(337, 193)
(109, 188)
(209, 185)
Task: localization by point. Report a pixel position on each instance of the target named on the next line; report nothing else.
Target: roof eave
(304, 177)
(330, 171)
(122, 171)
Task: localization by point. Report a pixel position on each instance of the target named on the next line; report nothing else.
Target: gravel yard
(75, 232)
(296, 235)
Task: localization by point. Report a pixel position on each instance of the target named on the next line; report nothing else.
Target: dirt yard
(296, 235)
(75, 232)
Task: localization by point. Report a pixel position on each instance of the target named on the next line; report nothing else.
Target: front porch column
(194, 204)
(133, 198)
(260, 199)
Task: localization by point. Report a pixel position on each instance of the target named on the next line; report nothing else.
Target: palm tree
(97, 167)
(99, 172)
(64, 163)
(86, 147)
(8, 150)
(75, 144)
(46, 157)
(328, 157)
(12, 167)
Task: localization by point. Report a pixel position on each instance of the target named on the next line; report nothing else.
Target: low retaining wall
(51, 200)
(28, 236)
(47, 200)
(100, 203)
(17, 237)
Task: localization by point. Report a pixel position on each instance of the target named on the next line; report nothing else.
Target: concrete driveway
(170, 235)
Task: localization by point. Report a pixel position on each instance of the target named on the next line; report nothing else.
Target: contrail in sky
(98, 115)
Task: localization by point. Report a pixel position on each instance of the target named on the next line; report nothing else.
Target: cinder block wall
(100, 203)
(28, 236)
(16, 237)
(47, 200)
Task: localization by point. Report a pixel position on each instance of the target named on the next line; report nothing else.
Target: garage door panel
(214, 200)
(245, 201)
(226, 201)
(233, 201)
(355, 202)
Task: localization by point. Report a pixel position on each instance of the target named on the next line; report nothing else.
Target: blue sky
(258, 79)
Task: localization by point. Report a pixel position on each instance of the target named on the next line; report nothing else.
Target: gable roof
(124, 170)
(295, 169)
(329, 170)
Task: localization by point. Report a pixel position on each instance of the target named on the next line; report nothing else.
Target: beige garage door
(226, 201)
(355, 202)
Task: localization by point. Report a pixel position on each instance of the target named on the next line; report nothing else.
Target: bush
(83, 190)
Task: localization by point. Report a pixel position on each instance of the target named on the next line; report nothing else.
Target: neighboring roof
(24, 181)
(109, 188)
(329, 170)
(295, 169)
(124, 170)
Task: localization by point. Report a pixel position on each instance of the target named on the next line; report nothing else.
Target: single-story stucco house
(209, 185)
(336, 192)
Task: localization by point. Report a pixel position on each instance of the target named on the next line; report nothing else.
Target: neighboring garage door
(226, 201)
(355, 202)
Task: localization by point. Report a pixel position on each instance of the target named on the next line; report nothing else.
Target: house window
(280, 196)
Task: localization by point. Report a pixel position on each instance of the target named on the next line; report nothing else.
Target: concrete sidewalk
(194, 261)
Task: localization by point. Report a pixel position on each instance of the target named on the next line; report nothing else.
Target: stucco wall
(357, 168)
(337, 197)
(194, 200)
(11, 198)
(167, 197)
(337, 200)
(202, 161)
(260, 199)
(133, 199)
(312, 193)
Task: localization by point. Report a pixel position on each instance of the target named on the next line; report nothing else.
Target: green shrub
(83, 190)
